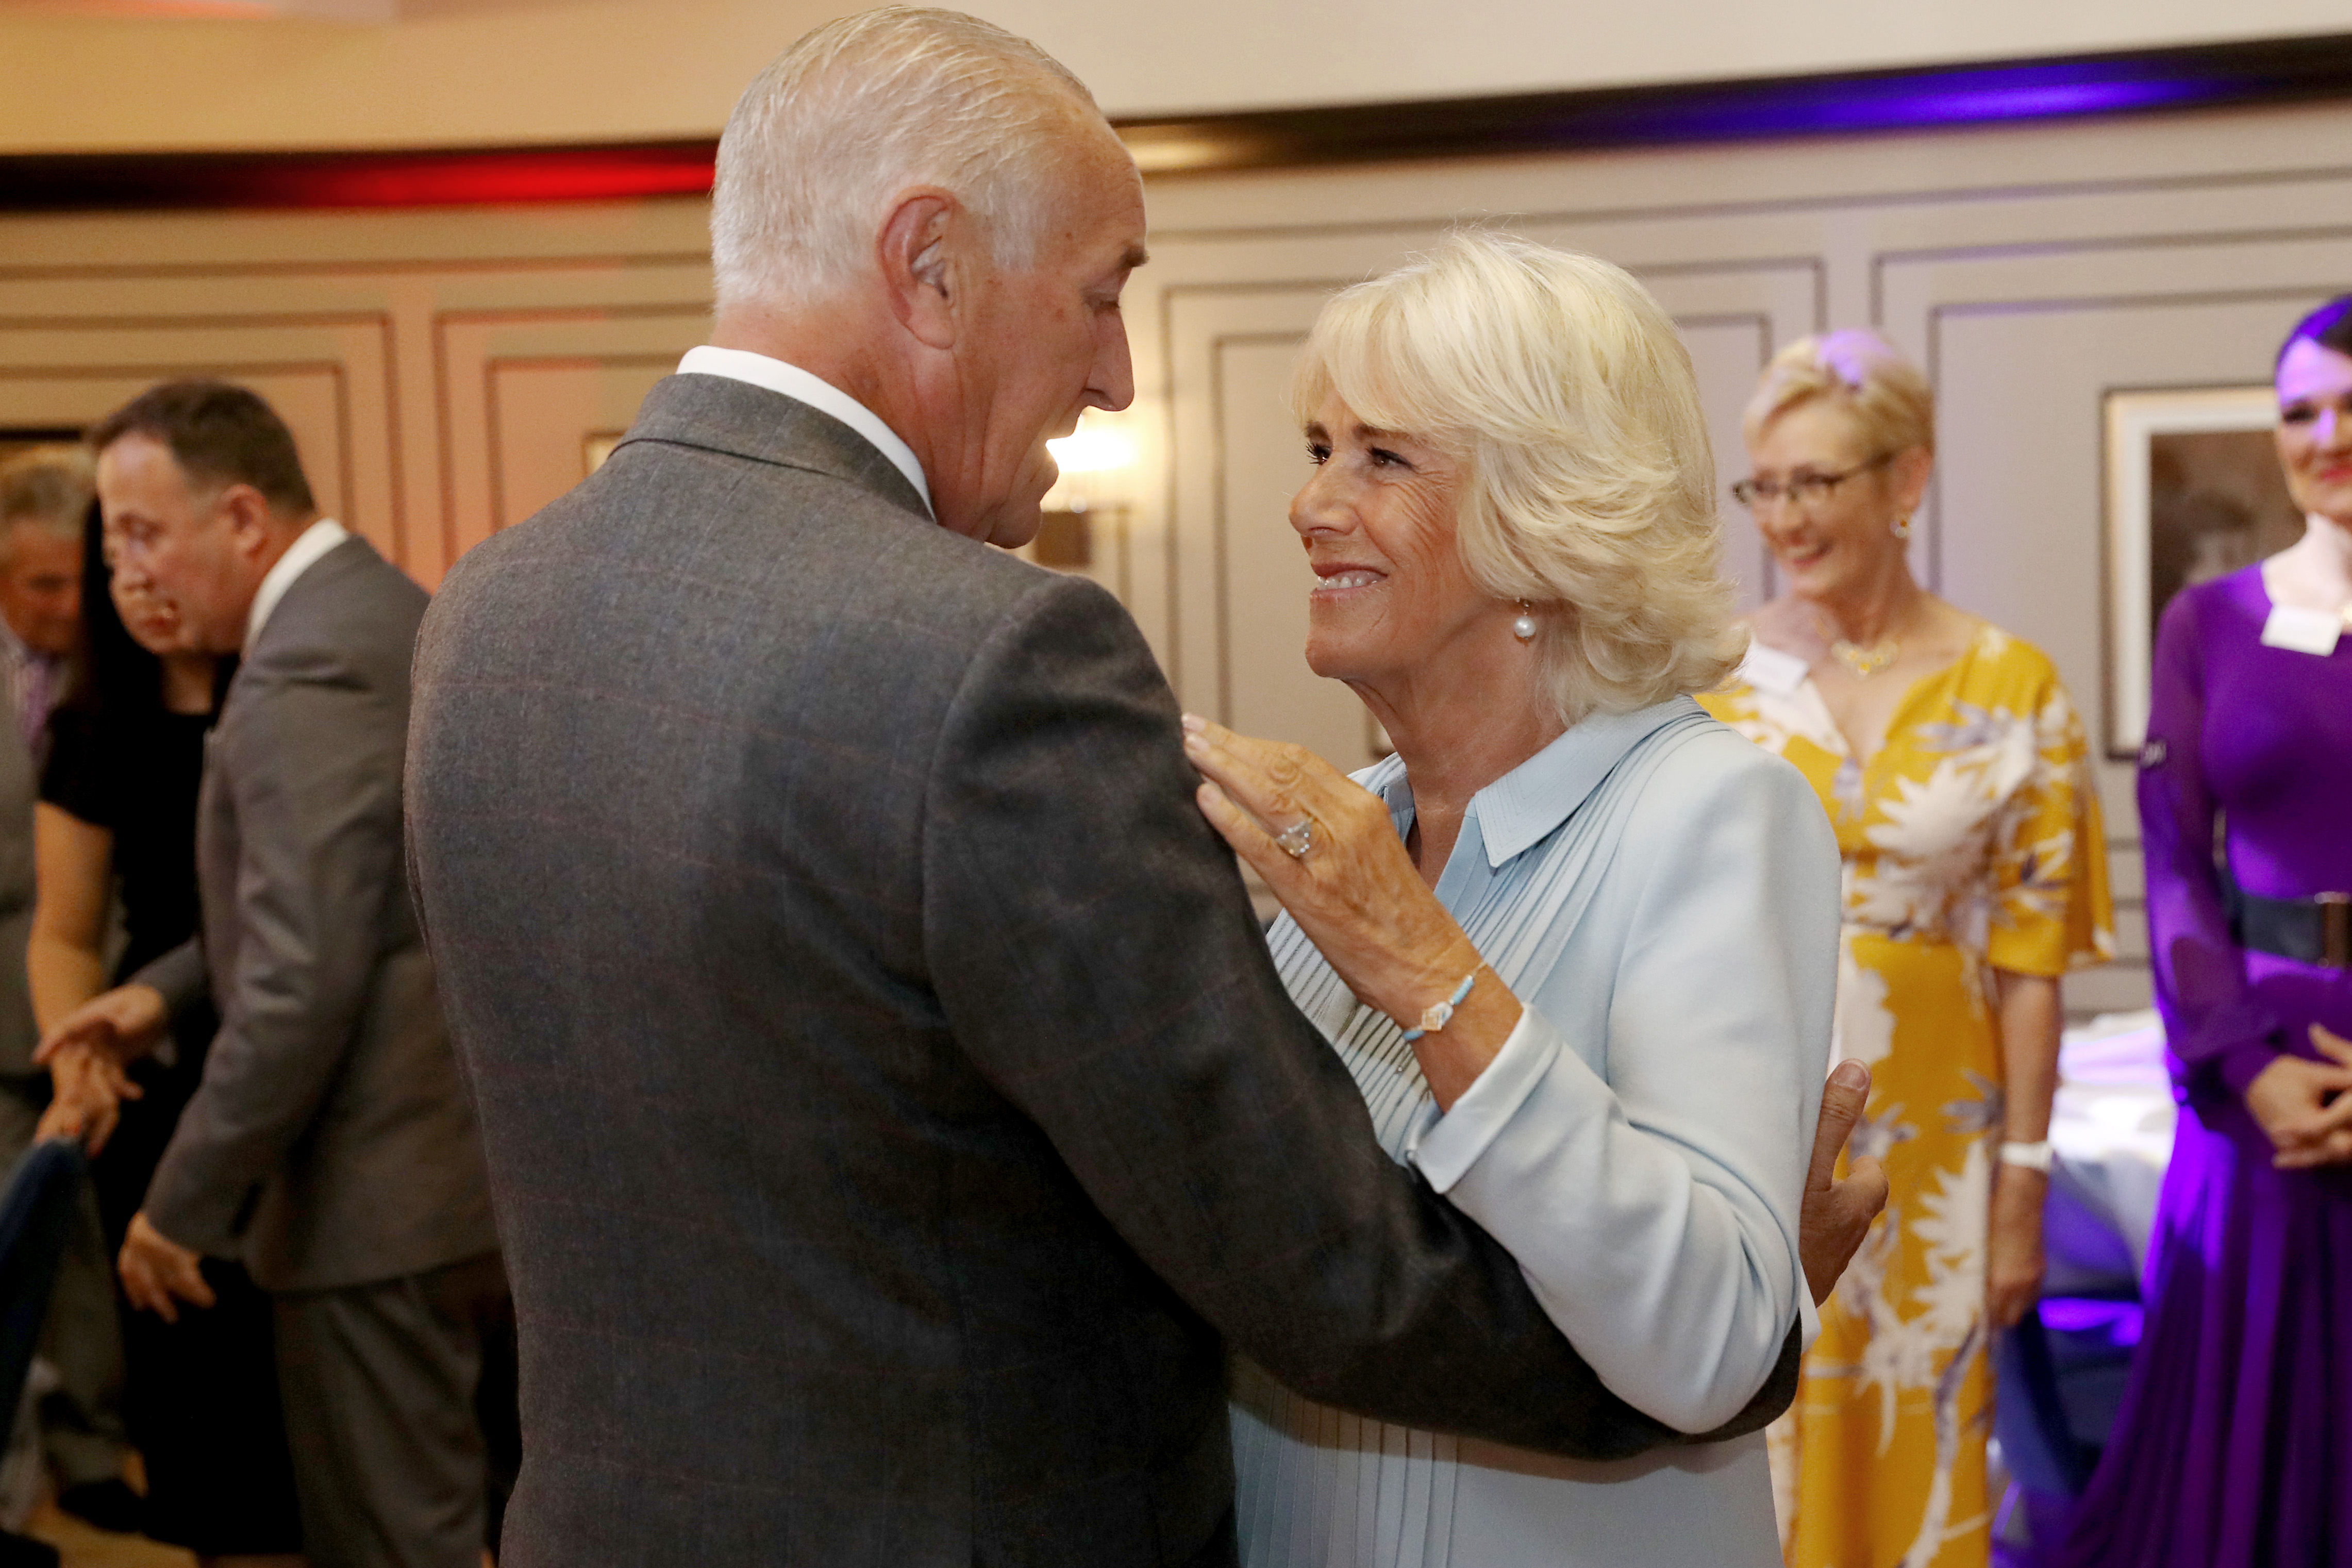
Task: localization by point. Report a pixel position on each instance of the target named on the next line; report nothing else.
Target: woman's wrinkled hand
(1354, 892)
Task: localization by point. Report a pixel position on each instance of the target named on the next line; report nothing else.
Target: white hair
(48, 488)
(1589, 485)
(861, 110)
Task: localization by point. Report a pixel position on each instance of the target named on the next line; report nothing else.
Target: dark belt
(2310, 931)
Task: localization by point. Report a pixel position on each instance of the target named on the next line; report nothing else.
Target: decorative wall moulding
(2211, 75)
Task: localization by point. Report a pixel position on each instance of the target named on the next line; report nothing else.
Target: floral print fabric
(1972, 841)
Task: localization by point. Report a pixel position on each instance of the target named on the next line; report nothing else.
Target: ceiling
(376, 11)
(161, 75)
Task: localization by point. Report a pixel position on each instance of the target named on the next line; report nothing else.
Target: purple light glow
(1913, 99)
(2035, 101)
(2120, 1321)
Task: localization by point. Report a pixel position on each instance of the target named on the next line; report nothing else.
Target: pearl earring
(1901, 526)
(1524, 628)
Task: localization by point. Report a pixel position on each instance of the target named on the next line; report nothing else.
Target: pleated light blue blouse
(1663, 896)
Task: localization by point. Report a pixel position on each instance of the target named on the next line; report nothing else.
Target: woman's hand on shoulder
(1348, 879)
(1348, 882)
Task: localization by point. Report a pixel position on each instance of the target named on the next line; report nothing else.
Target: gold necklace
(1866, 662)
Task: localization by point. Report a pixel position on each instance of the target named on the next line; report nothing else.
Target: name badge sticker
(1768, 668)
(2302, 631)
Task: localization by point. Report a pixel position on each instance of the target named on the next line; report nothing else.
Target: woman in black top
(117, 813)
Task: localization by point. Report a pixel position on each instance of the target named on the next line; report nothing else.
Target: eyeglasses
(1805, 489)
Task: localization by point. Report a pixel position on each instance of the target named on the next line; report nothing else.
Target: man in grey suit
(891, 1109)
(331, 1144)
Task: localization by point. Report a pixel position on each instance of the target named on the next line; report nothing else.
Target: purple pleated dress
(2233, 1446)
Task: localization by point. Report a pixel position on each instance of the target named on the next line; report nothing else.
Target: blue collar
(1523, 806)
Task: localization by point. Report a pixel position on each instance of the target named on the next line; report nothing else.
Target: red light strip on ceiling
(461, 178)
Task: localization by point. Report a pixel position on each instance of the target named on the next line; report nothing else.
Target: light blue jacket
(1663, 897)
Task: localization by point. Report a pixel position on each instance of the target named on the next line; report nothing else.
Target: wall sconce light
(1094, 460)
(1092, 448)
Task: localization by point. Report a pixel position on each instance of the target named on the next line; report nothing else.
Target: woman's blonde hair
(1883, 392)
(1587, 486)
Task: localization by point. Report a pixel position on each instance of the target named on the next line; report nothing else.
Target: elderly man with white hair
(891, 1109)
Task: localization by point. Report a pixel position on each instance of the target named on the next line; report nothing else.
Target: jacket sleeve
(179, 975)
(2215, 1025)
(1093, 950)
(1655, 1210)
(314, 772)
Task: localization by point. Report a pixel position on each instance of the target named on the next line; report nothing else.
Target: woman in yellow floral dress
(1955, 772)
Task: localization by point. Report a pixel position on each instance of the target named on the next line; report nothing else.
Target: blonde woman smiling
(1955, 772)
(1614, 1066)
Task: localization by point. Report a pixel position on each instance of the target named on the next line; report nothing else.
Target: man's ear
(917, 259)
(249, 517)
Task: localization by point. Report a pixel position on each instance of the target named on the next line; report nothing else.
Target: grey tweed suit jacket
(332, 1141)
(888, 1097)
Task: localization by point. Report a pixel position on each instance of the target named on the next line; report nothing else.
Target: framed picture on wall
(2193, 492)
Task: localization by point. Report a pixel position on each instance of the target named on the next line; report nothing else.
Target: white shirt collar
(1525, 805)
(300, 556)
(758, 370)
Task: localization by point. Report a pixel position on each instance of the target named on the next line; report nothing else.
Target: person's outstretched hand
(1837, 1213)
(122, 1024)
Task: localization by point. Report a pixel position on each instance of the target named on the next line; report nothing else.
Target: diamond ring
(1297, 838)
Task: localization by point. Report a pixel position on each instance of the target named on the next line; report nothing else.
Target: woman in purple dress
(2233, 1448)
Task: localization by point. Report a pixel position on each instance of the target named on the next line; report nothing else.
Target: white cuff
(1444, 1147)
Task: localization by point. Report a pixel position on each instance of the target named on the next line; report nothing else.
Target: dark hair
(2330, 327)
(218, 432)
(117, 676)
